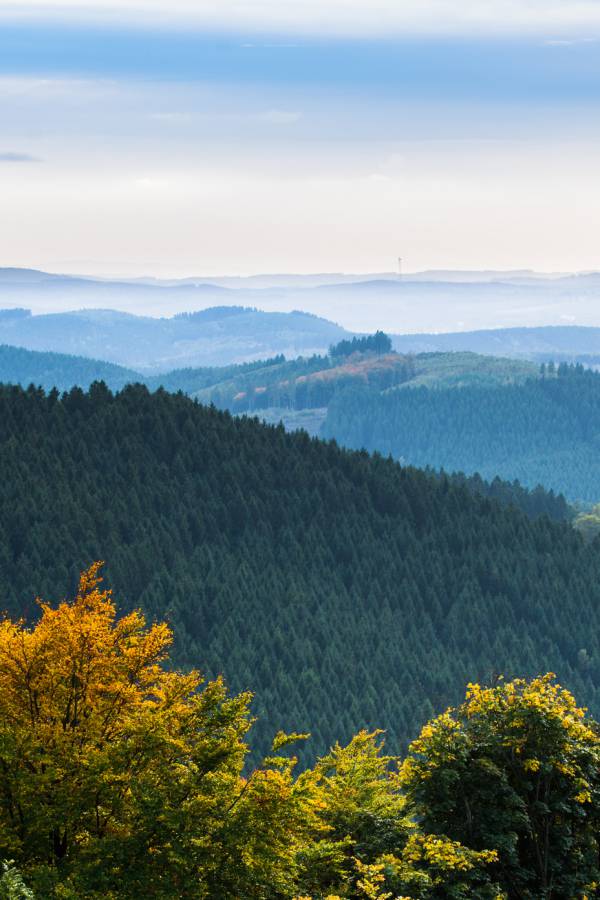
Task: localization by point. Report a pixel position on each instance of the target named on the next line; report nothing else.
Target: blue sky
(509, 68)
(135, 142)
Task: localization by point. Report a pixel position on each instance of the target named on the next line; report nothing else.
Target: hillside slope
(345, 590)
(311, 383)
(365, 411)
(543, 431)
(59, 370)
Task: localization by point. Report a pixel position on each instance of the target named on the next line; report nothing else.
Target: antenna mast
(400, 267)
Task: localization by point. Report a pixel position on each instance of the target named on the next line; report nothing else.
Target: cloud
(280, 116)
(9, 156)
(172, 118)
(380, 17)
(572, 42)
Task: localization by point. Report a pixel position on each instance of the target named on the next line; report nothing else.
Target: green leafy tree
(362, 813)
(516, 769)
(588, 523)
(12, 886)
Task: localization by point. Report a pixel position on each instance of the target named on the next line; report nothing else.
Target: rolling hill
(417, 303)
(294, 385)
(346, 590)
(285, 384)
(460, 411)
(212, 337)
(544, 430)
(59, 370)
(560, 343)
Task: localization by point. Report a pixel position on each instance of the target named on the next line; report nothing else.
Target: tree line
(372, 343)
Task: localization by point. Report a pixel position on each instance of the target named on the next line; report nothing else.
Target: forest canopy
(344, 590)
(123, 778)
(545, 430)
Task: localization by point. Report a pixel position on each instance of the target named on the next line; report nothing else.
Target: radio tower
(400, 268)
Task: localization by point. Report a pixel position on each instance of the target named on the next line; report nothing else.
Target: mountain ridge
(417, 303)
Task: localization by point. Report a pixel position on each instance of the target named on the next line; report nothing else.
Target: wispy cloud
(280, 116)
(550, 17)
(172, 118)
(523, 70)
(275, 140)
(572, 42)
(11, 156)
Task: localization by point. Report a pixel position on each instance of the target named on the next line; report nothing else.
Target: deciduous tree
(515, 769)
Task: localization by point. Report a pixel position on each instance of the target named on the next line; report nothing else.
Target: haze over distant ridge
(297, 135)
(438, 301)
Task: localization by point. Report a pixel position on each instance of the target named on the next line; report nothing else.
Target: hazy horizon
(330, 274)
(428, 302)
(176, 139)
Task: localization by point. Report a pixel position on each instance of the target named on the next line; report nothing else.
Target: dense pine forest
(544, 431)
(347, 591)
(534, 502)
(59, 370)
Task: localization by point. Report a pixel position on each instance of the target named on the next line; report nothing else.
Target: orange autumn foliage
(100, 746)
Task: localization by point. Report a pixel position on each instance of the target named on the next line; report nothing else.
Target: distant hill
(545, 430)
(58, 370)
(294, 385)
(45, 291)
(305, 382)
(213, 337)
(417, 303)
(560, 343)
(460, 411)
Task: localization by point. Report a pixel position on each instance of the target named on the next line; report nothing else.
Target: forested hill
(293, 390)
(534, 502)
(60, 370)
(544, 431)
(64, 371)
(281, 385)
(217, 336)
(346, 590)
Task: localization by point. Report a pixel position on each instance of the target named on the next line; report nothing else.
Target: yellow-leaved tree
(122, 779)
(119, 778)
(515, 768)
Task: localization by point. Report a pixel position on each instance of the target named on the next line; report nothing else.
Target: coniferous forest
(456, 411)
(299, 518)
(345, 590)
(543, 431)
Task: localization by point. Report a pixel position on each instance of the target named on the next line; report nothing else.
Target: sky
(204, 138)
